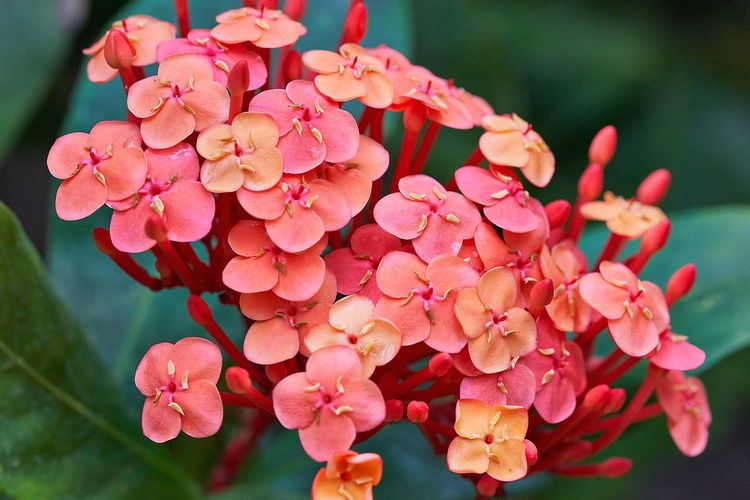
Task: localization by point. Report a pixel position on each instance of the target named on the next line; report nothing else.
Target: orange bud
(238, 380)
(603, 146)
(118, 50)
(654, 187)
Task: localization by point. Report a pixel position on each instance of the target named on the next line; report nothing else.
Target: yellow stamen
(176, 408)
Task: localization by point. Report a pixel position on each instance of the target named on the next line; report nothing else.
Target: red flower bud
(118, 50)
(487, 486)
(156, 229)
(654, 187)
(394, 410)
(532, 454)
(291, 66)
(603, 146)
(655, 238)
(597, 397)
(238, 78)
(616, 400)
(541, 294)
(276, 372)
(417, 412)
(591, 182)
(557, 213)
(615, 467)
(238, 380)
(680, 283)
(295, 8)
(199, 310)
(355, 25)
(440, 364)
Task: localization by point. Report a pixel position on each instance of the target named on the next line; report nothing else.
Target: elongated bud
(199, 310)
(654, 188)
(655, 238)
(680, 283)
(291, 66)
(541, 294)
(576, 451)
(417, 412)
(156, 229)
(238, 380)
(557, 213)
(118, 50)
(394, 410)
(355, 26)
(276, 372)
(440, 364)
(616, 400)
(591, 182)
(487, 486)
(597, 398)
(104, 242)
(295, 8)
(238, 78)
(603, 146)
(615, 467)
(532, 454)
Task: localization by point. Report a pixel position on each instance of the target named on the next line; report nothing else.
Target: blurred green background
(673, 76)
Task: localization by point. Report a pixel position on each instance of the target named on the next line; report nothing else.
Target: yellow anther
(262, 24)
(184, 381)
(416, 196)
(284, 187)
(201, 41)
(503, 177)
(109, 149)
(647, 313)
(312, 388)
(170, 368)
(564, 350)
(341, 69)
(158, 105)
(297, 125)
(628, 308)
(345, 494)
(619, 283)
(191, 82)
(157, 396)
(452, 218)
(438, 193)
(500, 194)
(366, 277)
(280, 267)
(176, 408)
(222, 65)
(430, 316)
(367, 328)
(158, 206)
(549, 351)
(163, 83)
(318, 107)
(422, 223)
(343, 409)
(100, 177)
(440, 102)
(188, 109)
(317, 134)
(548, 376)
(339, 385)
(246, 167)
(310, 201)
(514, 361)
(502, 388)
(495, 418)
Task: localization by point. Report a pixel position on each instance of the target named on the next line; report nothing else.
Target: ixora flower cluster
(466, 308)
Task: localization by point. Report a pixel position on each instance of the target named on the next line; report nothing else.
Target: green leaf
(60, 413)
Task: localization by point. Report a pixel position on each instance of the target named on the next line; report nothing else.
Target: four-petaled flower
(564, 265)
(265, 28)
(348, 475)
(674, 352)
(513, 387)
(688, 415)
(629, 218)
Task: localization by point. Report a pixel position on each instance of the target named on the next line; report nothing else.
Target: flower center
(489, 439)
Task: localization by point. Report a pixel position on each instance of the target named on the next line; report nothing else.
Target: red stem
(183, 16)
(648, 412)
(433, 129)
(404, 159)
(603, 366)
(618, 372)
(475, 158)
(178, 265)
(611, 249)
(251, 399)
(376, 125)
(124, 261)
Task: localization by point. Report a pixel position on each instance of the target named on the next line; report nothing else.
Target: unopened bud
(276, 372)
(557, 213)
(238, 380)
(616, 400)
(417, 412)
(541, 294)
(532, 454)
(291, 66)
(591, 182)
(680, 283)
(615, 467)
(597, 398)
(118, 50)
(654, 187)
(355, 25)
(603, 146)
(295, 8)
(394, 410)
(414, 117)
(655, 238)
(487, 486)
(199, 310)
(155, 228)
(238, 79)
(104, 242)
(440, 364)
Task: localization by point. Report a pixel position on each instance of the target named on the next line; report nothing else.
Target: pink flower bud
(655, 238)
(394, 410)
(291, 66)
(199, 310)
(417, 412)
(616, 467)
(557, 213)
(239, 78)
(591, 182)
(238, 380)
(440, 364)
(295, 8)
(355, 25)
(680, 283)
(118, 50)
(654, 187)
(603, 146)
(597, 397)
(616, 400)
(276, 372)
(532, 454)
(156, 229)
(541, 294)
(487, 486)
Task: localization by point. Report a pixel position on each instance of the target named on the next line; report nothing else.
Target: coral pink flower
(241, 154)
(478, 108)
(506, 202)
(688, 415)
(260, 265)
(280, 325)
(105, 164)
(297, 212)
(354, 178)
(435, 220)
(222, 57)
(182, 98)
(265, 28)
(351, 74)
(674, 352)
(171, 192)
(312, 127)
(179, 382)
(514, 387)
(351, 323)
(419, 298)
(355, 267)
(564, 265)
(348, 475)
(490, 439)
(508, 140)
(397, 68)
(145, 33)
(636, 310)
(628, 218)
(329, 403)
(559, 370)
(497, 331)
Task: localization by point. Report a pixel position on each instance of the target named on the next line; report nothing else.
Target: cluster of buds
(467, 309)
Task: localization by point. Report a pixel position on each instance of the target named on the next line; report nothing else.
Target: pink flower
(171, 191)
(419, 298)
(105, 164)
(674, 352)
(261, 266)
(241, 154)
(497, 332)
(312, 127)
(355, 267)
(565, 265)
(636, 310)
(329, 403)
(436, 221)
(279, 325)
(145, 33)
(559, 369)
(688, 415)
(297, 212)
(222, 57)
(350, 74)
(179, 382)
(351, 323)
(506, 202)
(348, 475)
(182, 98)
(514, 387)
(266, 28)
(509, 141)
(478, 108)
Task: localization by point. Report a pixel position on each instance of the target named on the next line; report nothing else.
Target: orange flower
(348, 475)
(628, 218)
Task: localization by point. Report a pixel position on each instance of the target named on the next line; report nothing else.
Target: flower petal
(271, 341)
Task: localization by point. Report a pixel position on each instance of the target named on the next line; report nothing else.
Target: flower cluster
(372, 292)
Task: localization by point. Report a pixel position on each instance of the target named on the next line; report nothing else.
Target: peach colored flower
(628, 218)
(497, 332)
(105, 164)
(329, 403)
(509, 141)
(688, 414)
(351, 73)
(564, 265)
(179, 382)
(145, 33)
(348, 475)
(351, 323)
(265, 28)
(182, 98)
(171, 192)
(514, 387)
(490, 440)
(242, 154)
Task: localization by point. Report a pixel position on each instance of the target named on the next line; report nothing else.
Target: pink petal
(276, 103)
(466, 212)
(332, 364)
(478, 184)
(365, 398)
(340, 135)
(204, 411)
(440, 237)
(302, 277)
(371, 239)
(250, 274)
(371, 158)
(449, 272)
(143, 97)
(636, 336)
(261, 306)
(127, 228)
(353, 184)
(330, 434)
(301, 152)
(151, 372)
(271, 341)
(65, 154)
(170, 125)
(399, 216)
(603, 296)
(398, 273)
(298, 232)
(490, 247)
(248, 238)
(209, 101)
(410, 318)
(679, 354)
(80, 196)
(179, 162)
(267, 205)
(331, 205)
(349, 270)
(124, 172)
(446, 334)
(188, 211)
(199, 357)
(555, 400)
(508, 214)
(160, 422)
(292, 405)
